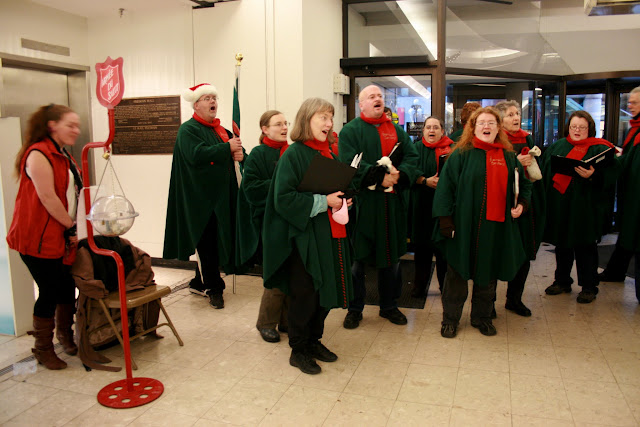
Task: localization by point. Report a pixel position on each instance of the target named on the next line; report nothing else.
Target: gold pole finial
(239, 59)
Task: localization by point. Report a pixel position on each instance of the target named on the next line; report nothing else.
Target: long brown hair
(302, 126)
(38, 129)
(265, 118)
(466, 139)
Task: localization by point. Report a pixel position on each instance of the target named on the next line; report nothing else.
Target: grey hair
(503, 106)
(635, 90)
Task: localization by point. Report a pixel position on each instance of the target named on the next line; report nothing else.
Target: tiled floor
(568, 364)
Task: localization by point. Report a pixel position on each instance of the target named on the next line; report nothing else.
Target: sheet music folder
(326, 176)
(565, 166)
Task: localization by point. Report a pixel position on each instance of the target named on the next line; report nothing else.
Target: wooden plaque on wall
(146, 125)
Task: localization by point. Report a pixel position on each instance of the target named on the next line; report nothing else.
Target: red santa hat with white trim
(194, 93)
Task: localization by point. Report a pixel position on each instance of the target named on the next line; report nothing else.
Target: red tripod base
(129, 393)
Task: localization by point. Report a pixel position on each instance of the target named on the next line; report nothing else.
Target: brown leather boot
(43, 351)
(64, 333)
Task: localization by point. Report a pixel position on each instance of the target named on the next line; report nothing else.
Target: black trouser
(619, 262)
(423, 258)
(209, 261)
(389, 286)
(586, 257)
(455, 293)
(306, 315)
(55, 284)
(515, 288)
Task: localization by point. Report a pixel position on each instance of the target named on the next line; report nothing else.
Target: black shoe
(394, 315)
(352, 320)
(283, 329)
(586, 297)
(318, 351)
(556, 289)
(606, 277)
(304, 362)
(448, 331)
(269, 335)
(518, 308)
(485, 327)
(216, 301)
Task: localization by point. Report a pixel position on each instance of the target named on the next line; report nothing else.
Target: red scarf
(215, 125)
(386, 131)
(497, 178)
(442, 146)
(278, 145)
(337, 230)
(561, 182)
(633, 134)
(518, 137)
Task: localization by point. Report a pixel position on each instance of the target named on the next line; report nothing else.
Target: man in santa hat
(202, 194)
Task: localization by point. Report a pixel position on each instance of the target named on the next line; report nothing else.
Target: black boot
(301, 360)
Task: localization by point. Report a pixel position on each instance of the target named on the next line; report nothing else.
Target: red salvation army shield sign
(110, 86)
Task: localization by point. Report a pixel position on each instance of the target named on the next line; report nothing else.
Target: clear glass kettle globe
(112, 215)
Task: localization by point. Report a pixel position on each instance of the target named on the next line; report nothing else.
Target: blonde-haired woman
(306, 253)
(252, 198)
(476, 206)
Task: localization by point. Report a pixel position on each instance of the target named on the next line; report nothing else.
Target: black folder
(565, 166)
(441, 160)
(326, 176)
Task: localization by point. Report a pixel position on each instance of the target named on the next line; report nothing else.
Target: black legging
(55, 284)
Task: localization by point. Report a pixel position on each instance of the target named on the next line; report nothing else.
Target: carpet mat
(604, 254)
(407, 274)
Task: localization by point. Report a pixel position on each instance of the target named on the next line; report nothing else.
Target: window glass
(593, 104)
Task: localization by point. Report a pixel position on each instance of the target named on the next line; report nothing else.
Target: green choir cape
(577, 217)
(287, 224)
(203, 182)
(481, 250)
(252, 199)
(455, 136)
(380, 229)
(629, 220)
(531, 223)
(422, 222)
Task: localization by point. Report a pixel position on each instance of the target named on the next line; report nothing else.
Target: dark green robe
(531, 223)
(481, 250)
(577, 217)
(287, 223)
(629, 237)
(252, 198)
(455, 136)
(203, 182)
(380, 229)
(422, 197)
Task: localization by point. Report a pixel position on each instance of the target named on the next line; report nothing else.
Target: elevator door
(26, 90)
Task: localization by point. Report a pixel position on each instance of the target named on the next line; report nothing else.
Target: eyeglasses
(490, 124)
(580, 128)
(208, 98)
(281, 124)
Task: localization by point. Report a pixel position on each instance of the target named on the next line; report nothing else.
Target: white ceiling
(99, 8)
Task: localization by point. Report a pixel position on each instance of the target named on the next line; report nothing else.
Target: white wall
(23, 19)
(166, 51)
(157, 50)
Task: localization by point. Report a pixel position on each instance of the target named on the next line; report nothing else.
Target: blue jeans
(389, 287)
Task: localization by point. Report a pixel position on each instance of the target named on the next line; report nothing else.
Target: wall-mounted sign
(146, 125)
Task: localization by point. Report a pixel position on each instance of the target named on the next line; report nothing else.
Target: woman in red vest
(43, 226)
